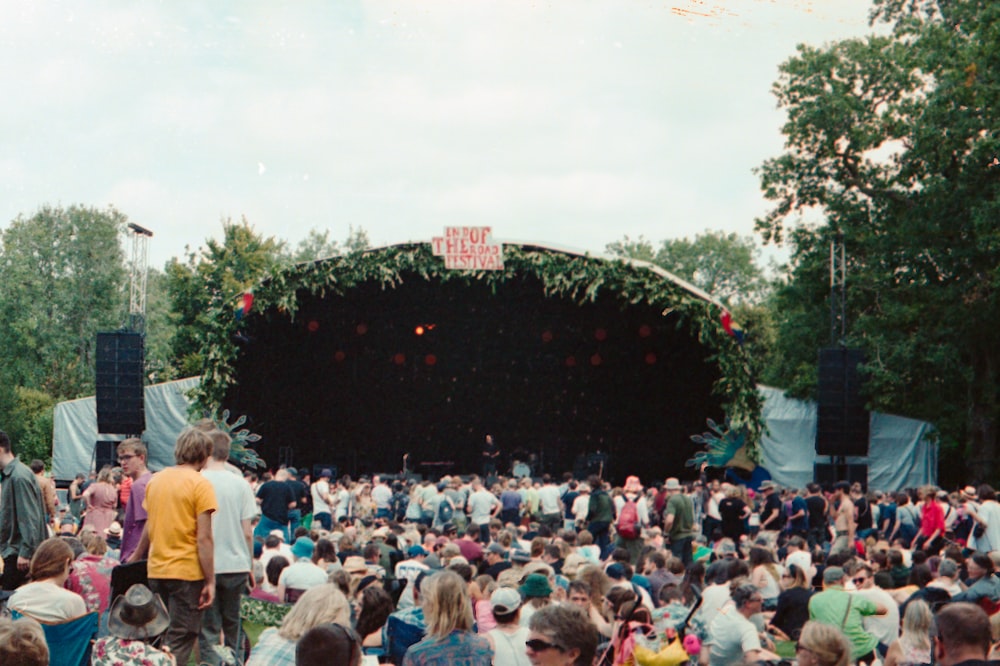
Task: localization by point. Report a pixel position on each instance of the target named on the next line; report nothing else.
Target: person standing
(132, 459)
(678, 521)
(48, 486)
(843, 522)
(101, 499)
(22, 516)
(481, 507)
(178, 539)
(321, 499)
(276, 498)
(491, 456)
(232, 536)
(600, 513)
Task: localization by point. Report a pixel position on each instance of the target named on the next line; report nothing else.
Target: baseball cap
(505, 600)
(414, 551)
(496, 548)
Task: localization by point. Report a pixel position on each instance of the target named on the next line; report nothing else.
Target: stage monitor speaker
(826, 474)
(106, 454)
(841, 417)
(120, 363)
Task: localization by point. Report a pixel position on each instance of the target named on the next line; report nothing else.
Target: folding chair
(69, 642)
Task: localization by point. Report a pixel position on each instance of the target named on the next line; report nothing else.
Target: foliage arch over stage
(559, 354)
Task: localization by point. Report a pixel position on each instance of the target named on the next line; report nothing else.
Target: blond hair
(193, 447)
(323, 604)
(827, 643)
(447, 606)
(23, 642)
(134, 446)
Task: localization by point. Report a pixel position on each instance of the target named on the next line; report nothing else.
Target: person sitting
(822, 645)
(328, 644)
(983, 585)
(961, 635)
(303, 573)
(561, 635)
(323, 604)
(375, 607)
(793, 604)
(914, 644)
(508, 638)
(22, 642)
(732, 637)
(136, 618)
(45, 598)
(91, 573)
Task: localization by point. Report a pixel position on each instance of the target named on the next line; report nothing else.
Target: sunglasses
(859, 581)
(538, 645)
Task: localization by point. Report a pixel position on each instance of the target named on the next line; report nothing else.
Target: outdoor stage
(429, 365)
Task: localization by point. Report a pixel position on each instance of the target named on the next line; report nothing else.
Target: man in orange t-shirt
(178, 537)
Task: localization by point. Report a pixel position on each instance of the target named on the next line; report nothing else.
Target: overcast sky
(568, 122)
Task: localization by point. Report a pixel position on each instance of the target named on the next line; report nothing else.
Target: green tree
(892, 139)
(31, 424)
(318, 245)
(210, 277)
(64, 278)
(722, 264)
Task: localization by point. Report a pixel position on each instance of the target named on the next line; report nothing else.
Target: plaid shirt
(272, 650)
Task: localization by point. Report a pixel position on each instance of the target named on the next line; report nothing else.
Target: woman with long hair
(448, 613)
(101, 500)
(765, 574)
(45, 598)
(376, 605)
(913, 647)
(319, 605)
(822, 645)
(793, 604)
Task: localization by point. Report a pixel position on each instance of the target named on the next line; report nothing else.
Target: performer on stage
(491, 453)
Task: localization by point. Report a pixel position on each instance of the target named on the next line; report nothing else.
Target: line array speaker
(106, 454)
(120, 362)
(842, 420)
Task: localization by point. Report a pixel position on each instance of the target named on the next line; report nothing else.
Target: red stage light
(570, 361)
(419, 330)
(601, 334)
(645, 331)
(313, 326)
(547, 336)
(650, 358)
(596, 360)
(430, 359)
(339, 356)
(362, 329)
(399, 359)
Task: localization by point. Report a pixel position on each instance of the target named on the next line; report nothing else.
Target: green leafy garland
(579, 278)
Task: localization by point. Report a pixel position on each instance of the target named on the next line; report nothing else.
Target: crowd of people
(471, 570)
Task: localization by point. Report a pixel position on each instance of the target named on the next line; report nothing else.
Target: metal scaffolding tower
(138, 273)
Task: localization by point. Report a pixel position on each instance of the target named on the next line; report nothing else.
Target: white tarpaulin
(902, 453)
(74, 433)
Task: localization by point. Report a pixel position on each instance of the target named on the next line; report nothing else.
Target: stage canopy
(355, 361)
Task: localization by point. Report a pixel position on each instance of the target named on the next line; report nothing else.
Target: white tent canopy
(902, 451)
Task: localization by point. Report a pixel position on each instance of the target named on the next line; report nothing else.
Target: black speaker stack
(841, 418)
(120, 369)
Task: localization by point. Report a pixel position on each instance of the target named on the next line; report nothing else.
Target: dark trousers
(223, 617)
(181, 598)
(13, 577)
(599, 530)
(681, 548)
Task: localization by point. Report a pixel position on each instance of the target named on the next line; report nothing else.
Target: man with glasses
(884, 627)
(839, 608)
(132, 459)
(732, 637)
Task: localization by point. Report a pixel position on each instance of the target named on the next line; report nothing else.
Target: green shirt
(681, 508)
(831, 607)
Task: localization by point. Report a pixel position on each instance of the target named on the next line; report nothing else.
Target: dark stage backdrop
(430, 368)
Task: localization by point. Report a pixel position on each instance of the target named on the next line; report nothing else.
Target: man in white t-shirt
(341, 500)
(321, 498)
(232, 535)
(799, 555)
(482, 506)
(550, 504)
(382, 496)
(883, 627)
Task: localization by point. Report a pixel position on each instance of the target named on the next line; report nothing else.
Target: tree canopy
(892, 141)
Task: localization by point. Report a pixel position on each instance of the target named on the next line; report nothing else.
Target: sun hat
(138, 614)
(355, 564)
(632, 485)
(303, 547)
(536, 585)
(278, 533)
(518, 555)
(113, 530)
(505, 600)
(672, 484)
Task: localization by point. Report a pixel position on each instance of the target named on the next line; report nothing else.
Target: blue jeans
(265, 526)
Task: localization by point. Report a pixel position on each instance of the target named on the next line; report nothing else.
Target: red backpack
(628, 520)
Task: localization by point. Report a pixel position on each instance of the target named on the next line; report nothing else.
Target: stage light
(339, 356)
(601, 334)
(596, 360)
(547, 336)
(419, 330)
(650, 358)
(313, 326)
(362, 329)
(399, 359)
(570, 361)
(645, 331)
(430, 359)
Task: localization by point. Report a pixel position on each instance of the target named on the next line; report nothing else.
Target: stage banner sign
(469, 249)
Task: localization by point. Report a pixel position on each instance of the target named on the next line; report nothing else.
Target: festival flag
(731, 327)
(243, 304)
